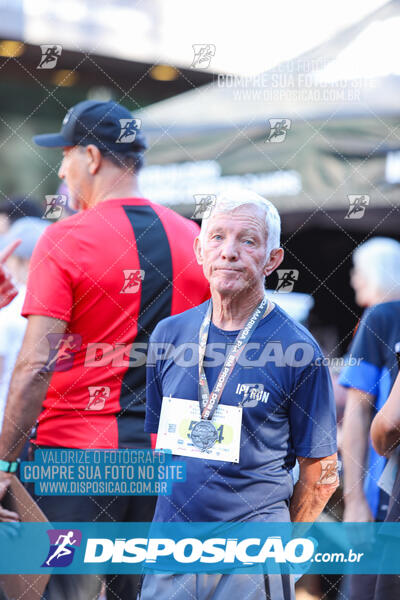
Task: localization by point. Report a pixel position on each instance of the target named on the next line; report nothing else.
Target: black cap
(108, 125)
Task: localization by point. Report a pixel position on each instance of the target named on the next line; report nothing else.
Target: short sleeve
(154, 393)
(312, 413)
(365, 361)
(49, 288)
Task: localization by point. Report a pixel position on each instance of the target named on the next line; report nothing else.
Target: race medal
(204, 435)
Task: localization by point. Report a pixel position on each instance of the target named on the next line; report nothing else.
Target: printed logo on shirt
(62, 547)
(133, 279)
(62, 350)
(253, 393)
(98, 394)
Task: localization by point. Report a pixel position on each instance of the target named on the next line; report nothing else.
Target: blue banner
(200, 548)
(70, 472)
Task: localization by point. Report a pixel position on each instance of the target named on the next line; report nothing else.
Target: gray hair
(378, 260)
(231, 199)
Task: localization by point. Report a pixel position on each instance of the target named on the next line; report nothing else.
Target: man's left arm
(312, 420)
(27, 391)
(385, 428)
(317, 481)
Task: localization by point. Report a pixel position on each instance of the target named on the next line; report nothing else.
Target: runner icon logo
(128, 131)
(133, 279)
(278, 129)
(62, 547)
(62, 350)
(54, 206)
(204, 204)
(50, 55)
(357, 206)
(98, 395)
(287, 279)
(203, 54)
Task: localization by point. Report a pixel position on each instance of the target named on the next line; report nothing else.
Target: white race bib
(179, 416)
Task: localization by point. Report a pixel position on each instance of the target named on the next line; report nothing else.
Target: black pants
(94, 509)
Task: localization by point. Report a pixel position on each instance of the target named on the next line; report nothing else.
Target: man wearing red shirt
(99, 282)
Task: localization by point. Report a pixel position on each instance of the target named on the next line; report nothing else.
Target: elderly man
(242, 420)
(104, 278)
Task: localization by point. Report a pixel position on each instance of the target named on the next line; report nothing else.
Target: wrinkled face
(73, 171)
(233, 252)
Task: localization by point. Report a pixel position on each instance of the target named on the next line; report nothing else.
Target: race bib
(179, 418)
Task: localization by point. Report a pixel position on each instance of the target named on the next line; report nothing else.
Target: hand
(357, 510)
(8, 291)
(6, 516)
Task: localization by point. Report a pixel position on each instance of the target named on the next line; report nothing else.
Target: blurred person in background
(385, 436)
(16, 208)
(12, 324)
(368, 377)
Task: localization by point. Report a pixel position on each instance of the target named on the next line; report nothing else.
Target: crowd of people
(123, 271)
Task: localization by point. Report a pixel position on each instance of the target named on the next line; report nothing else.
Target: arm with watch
(27, 392)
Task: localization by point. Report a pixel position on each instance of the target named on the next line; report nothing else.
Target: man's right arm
(356, 424)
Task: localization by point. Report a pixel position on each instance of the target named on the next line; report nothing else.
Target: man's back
(112, 272)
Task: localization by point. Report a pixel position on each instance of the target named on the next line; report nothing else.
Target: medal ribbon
(209, 402)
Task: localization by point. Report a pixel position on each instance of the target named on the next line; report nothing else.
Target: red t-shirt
(111, 272)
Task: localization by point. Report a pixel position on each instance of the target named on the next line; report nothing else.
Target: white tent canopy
(342, 138)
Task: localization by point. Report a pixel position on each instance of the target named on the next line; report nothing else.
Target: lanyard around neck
(209, 402)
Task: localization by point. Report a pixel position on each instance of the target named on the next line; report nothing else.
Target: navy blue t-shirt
(372, 368)
(288, 411)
